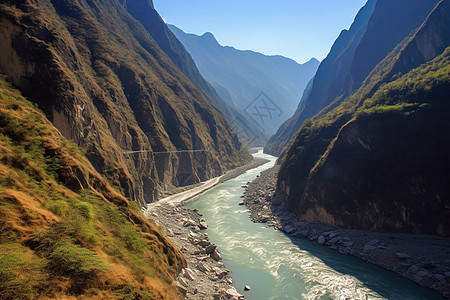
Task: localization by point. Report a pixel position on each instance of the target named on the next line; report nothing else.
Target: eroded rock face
(382, 179)
(105, 84)
(378, 28)
(384, 168)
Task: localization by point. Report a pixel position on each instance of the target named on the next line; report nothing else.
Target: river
(280, 267)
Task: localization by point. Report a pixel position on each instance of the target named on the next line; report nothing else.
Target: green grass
(20, 276)
(54, 241)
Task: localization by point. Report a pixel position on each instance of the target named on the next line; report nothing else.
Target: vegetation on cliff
(64, 230)
(378, 160)
(378, 29)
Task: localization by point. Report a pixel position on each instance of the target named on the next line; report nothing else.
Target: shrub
(59, 207)
(85, 209)
(74, 261)
(79, 264)
(129, 292)
(20, 277)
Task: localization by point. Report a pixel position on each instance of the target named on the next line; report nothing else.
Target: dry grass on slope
(64, 231)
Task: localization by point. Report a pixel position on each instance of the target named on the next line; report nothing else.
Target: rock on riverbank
(424, 259)
(205, 277)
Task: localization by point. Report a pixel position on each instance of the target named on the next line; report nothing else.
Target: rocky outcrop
(378, 160)
(104, 82)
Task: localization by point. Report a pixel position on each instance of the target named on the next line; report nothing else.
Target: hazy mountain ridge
(240, 76)
(377, 161)
(155, 25)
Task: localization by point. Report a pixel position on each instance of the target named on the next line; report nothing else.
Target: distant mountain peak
(239, 76)
(312, 60)
(209, 38)
(208, 35)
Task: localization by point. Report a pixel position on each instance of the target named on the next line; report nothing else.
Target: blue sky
(299, 29)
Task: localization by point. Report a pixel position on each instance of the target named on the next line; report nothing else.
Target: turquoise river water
(280, 267)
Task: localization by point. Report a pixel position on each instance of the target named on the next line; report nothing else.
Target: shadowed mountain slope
(378, 28)
(145, 13)
(379, 159)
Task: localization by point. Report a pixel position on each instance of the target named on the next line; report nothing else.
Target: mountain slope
(240, 76)
(103, 81)
(378, 28)
(145, 13)
(64, 230)
(378, 160)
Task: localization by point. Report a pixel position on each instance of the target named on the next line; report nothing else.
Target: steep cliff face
(378, 161)
(105, 83)
(331, 73)
(145, 13)
(65, 232)
(378, 28)
(240, 76)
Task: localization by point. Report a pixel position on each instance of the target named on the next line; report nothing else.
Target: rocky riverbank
(205, 277)
(424, 259)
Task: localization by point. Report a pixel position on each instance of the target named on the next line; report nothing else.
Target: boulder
(182, 281)
(220, 272)
(216, 255)
(347, 244)
(401, 255)
(202, 267)
(419, 276)
(210, 249)
(204, 243)
(188, 273)
(189, 222)
(321, 240)
(232, 293)
(334, 240)
(181, 288)
(265, 218)
(203, 225)
(193, 234)
(247, 288)
(289, 229)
